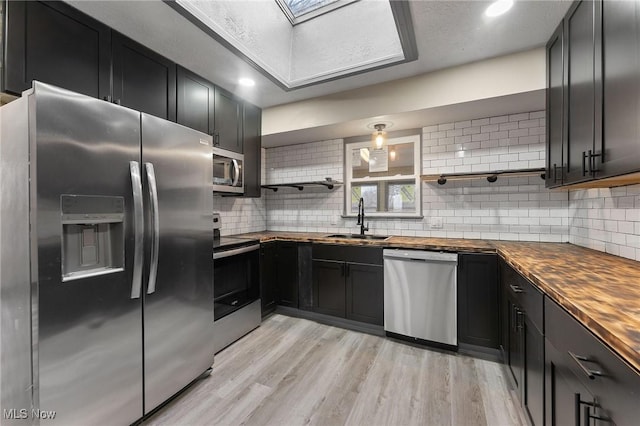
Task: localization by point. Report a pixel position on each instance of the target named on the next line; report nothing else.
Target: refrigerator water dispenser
(92, 235)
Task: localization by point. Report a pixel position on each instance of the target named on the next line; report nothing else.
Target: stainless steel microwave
(228, 171)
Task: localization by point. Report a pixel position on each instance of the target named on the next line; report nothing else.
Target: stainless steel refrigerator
(106, 273)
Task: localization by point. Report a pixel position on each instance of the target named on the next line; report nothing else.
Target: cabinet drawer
(617, 389)
(353, 254)
(526, 294)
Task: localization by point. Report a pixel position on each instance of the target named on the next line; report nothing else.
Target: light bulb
(392, 154)
(379, 140)
(498, 7)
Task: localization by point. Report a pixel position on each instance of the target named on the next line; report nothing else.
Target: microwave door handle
(138, 228)
(155, 220)
(236, 172)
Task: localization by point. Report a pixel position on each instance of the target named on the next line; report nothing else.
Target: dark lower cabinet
(268, 277)
(586, 383)
(568, 402)
(56, 44)
(365, 293)
(287, 273)
(348, 282)
(478, 314)
(522, 340)
(533, 395)
(329, 287)
(142, 79)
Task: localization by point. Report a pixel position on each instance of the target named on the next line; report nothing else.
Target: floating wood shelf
(328, 183)
(491, 176)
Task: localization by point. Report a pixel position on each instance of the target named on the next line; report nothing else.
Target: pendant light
(379, 136)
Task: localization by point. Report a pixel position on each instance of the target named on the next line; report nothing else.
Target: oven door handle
(241, 250)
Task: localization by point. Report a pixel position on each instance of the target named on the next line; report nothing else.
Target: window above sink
(388, 179)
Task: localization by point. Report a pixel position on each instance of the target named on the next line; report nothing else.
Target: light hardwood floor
(292, 371)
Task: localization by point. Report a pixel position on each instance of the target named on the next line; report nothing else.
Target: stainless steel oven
(236, 289)
(228, 171)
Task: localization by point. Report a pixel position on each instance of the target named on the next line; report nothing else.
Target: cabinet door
(516, 344)
(56, 44)
(227, 121)
(365, 293)
(268, 277)
(252, 147)
(142, 79)
(621, 87)
(533, 397)
(287, 265)
(329, 287)
(556, 138)
(195, 101)
(478, 299)
(581, 103)
(568, 402)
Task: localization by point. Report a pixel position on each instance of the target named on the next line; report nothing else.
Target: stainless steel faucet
(361, 217)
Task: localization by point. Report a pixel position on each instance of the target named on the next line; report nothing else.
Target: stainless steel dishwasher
(420, 295)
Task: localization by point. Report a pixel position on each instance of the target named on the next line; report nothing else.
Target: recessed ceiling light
(247, 82)
(498, 7)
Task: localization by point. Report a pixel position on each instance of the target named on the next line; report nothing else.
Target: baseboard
(376, 330)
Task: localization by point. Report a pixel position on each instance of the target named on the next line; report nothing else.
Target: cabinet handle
(515, 288)
(591, 374)
(348, 269)
(584, 163)
(519, 319)
(592, 163)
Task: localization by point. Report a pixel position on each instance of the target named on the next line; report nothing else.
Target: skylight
(298, 11)
(326, 46)
(300, 7)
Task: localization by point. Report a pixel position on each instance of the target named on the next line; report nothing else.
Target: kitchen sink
(359, 237)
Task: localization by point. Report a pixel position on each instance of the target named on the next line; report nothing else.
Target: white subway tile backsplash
(606, 219)
(509, 209)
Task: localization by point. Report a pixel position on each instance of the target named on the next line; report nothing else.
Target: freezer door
(178, 305)
(88, 328)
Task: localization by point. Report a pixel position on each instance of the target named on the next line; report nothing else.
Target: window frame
(349, 180)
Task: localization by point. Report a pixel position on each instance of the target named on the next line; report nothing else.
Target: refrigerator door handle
(236, 172)
(155, 218)
(138, 229)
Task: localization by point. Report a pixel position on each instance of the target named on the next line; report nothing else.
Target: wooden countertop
(600, 290)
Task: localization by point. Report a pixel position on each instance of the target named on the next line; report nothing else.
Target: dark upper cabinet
(227, 121)
(365, 293)
(252, 147)
(195, 101)
(142, 79)
(592, 127)
(620, 88)
(583, 118)
(478, 319)
(56, 44)
(556, 136)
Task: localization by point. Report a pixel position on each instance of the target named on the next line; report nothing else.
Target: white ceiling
(447, 33)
